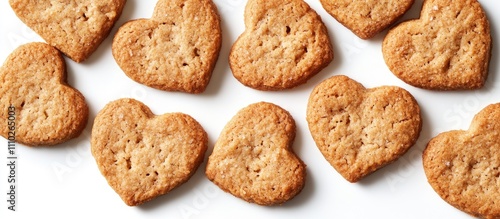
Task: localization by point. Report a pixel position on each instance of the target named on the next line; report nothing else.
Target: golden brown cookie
(175, 50)
(284, 44)
(368, 17)
(253, 157)
(448, 48)
(360, 130)
(47, 111)
(75, 27)
(143, 156)
(463, 167)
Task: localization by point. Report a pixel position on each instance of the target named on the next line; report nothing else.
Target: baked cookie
(463, 167)
(76, 27)
(47, 111)
(175, 50)
(284, 44)
(369, 17)
(143, 156)
(253, 157)
(448, 48)
(360, 130)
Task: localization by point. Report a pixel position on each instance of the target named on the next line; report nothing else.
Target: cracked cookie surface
(369, 17)
(142, 155)
(463, 166)
(47, 110)
(285, 43)
(360, 130)
(175, 50)
(75, 27)
(253, 157)
(447, 48)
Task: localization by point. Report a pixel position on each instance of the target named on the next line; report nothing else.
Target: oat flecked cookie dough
(447, 48)
(47, 110)
(75, 27)
(175, 50)
(360, 130)
(253, 157)
(463, 167)
(142, 155)
(368, 17)
(284, 44)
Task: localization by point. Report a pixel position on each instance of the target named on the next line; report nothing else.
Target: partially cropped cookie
(447, 48)
(361, 130)
(75, 27)
(368, 17)
(43, 109)
(175, 50)
(142, 155)
(285, 43)
(463, 167)
(253, 157)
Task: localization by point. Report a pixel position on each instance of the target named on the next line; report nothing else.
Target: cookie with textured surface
(47, 110)
(361, 130)
(142, 155)
(463, 166)
(447, 48)
(253, 157)
(285, 43)
(175, 50)
(76, 27)
(367, 18)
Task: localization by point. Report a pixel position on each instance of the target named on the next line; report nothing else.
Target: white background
(64, 181)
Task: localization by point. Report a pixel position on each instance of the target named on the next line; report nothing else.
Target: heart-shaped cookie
(75, 27)
(42, 108)
(143, 156)
(448, 48)
(284, 44)
(463, 167)
(360, 130)
(175, 50)
(367, 18)
(253, 158)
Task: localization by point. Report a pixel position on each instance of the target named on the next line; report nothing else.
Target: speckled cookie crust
(368, 17)
(253, 157)
(175, 50)
(447, 48)
(360, 130)
(75, 27)
(463, 167)
(142, 155)
(285, 43)
(47, 110)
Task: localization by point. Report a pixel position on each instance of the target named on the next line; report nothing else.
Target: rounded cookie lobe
(463, 167)
(76, 27)
(253, 158)
(143, 156)
(367, 18)
(47, 110)
(447, 48)
(360, 130)
(284, 44)
(175, 50)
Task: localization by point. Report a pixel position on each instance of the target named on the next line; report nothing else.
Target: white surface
(64, 182)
